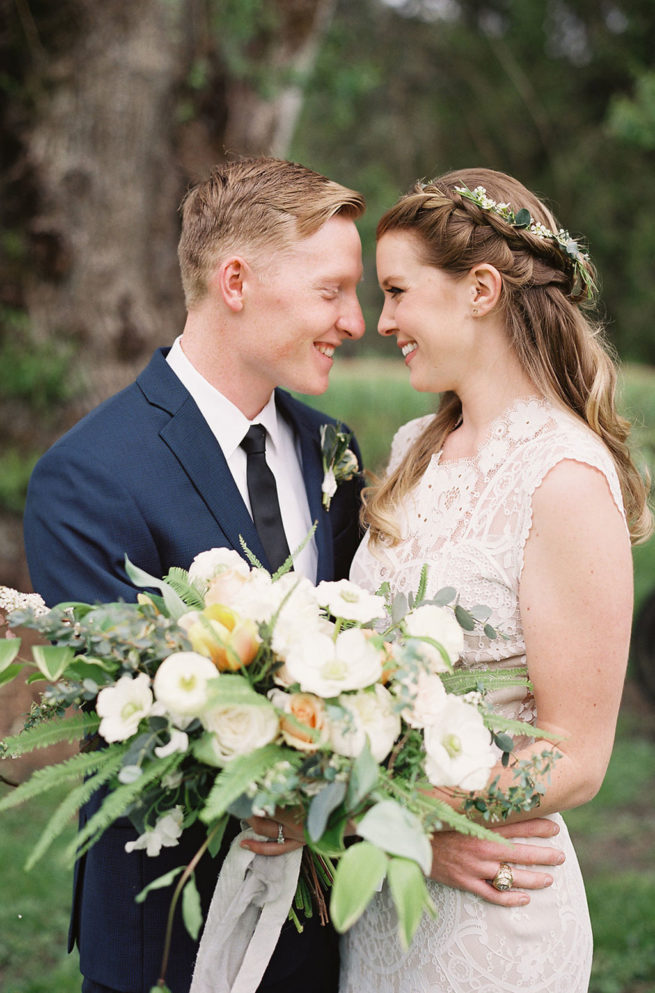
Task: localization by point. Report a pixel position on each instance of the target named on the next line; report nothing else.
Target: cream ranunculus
(370, 714)
(429, 698)
(349, 601)
(165, 834)
(122, 706)
(215, 561)
(240, 729)
(459, 750)
(327, 667)
(439, 624)
(306, 727)
(180, 683)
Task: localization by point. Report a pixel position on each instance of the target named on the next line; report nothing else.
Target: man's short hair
(254, 205)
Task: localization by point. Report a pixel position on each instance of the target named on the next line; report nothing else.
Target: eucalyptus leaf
(522, 218)
(464, 618)
(399, 607)
(397, 831)
(322, 805)
(359, 874)
(444, 596)
(191, 909)
(410, 896)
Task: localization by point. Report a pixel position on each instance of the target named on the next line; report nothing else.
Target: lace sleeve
(579, 446)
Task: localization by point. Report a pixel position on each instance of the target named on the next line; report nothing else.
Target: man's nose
(352, 320)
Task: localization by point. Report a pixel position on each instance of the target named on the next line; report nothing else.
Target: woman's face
(429, 312)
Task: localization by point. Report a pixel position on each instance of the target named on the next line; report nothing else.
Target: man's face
(297, 310)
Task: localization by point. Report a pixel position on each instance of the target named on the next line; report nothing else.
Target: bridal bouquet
(234, 692)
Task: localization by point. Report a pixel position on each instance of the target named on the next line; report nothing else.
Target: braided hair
(545, 306)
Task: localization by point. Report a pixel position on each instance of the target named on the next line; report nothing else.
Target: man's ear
(486, 285)
(229, 281)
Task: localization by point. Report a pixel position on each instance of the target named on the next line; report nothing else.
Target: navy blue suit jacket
(143, 475)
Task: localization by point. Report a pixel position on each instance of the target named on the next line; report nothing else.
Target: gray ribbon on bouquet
(250, 904)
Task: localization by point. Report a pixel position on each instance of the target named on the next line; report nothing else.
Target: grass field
(613, 834)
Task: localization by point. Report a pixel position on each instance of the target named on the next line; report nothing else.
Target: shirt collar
(228, 424)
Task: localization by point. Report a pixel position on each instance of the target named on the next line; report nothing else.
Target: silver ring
(280, 835)
(503, 880)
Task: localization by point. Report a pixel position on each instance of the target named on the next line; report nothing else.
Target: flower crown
(583, 282)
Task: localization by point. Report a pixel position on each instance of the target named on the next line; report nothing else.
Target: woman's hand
(284, 831)
(467, 863)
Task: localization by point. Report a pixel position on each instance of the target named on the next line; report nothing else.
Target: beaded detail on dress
(469, 520)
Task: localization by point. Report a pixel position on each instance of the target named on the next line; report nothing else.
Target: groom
(173, 465)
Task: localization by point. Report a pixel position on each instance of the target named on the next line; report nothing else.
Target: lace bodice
(469, 519)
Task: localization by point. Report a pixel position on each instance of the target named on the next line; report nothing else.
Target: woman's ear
(229, 282)
(486, 285)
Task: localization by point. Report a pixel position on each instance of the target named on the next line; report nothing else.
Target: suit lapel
(190, 439)
(308, 436)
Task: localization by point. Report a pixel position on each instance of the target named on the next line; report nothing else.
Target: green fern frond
(49, 733)
(178, 579)
(51, 776)
(497, 723)
(68, 807)
(117, 802)
(468, 680)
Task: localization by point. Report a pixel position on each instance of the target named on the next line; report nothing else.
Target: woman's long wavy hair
(562, 350)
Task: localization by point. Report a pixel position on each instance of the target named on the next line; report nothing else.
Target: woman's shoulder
(567, 438)
(405, 437)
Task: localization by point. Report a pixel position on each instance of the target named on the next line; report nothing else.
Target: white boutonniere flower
(339, 462)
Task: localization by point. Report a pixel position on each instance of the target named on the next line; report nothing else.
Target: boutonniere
(339, 462)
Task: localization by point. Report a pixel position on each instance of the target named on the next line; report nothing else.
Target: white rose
(439, 624)
(180, 683)
(429, 698)
(165, 834)
(459, 747)
(122, 706)
(211, 563)
(347, 600)
(370, 714)
(327, 667)
(240, 729)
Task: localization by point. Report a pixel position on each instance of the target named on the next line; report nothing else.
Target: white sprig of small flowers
(339, 461)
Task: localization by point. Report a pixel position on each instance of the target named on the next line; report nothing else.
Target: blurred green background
(109, 111)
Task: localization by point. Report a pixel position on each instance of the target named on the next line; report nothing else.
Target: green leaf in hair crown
(583, 282)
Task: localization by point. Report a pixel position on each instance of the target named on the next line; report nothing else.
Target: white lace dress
(469, 520)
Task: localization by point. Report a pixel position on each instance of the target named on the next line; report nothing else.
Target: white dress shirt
(229, 426)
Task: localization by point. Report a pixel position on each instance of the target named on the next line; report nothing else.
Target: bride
(521, 493)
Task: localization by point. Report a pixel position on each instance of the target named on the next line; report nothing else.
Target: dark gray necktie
(264, 501)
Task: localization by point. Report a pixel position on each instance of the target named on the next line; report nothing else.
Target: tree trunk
(118, 107)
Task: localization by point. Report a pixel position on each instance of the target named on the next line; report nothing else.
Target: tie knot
(254, 442)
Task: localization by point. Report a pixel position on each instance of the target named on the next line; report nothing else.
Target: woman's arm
(575, 600)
